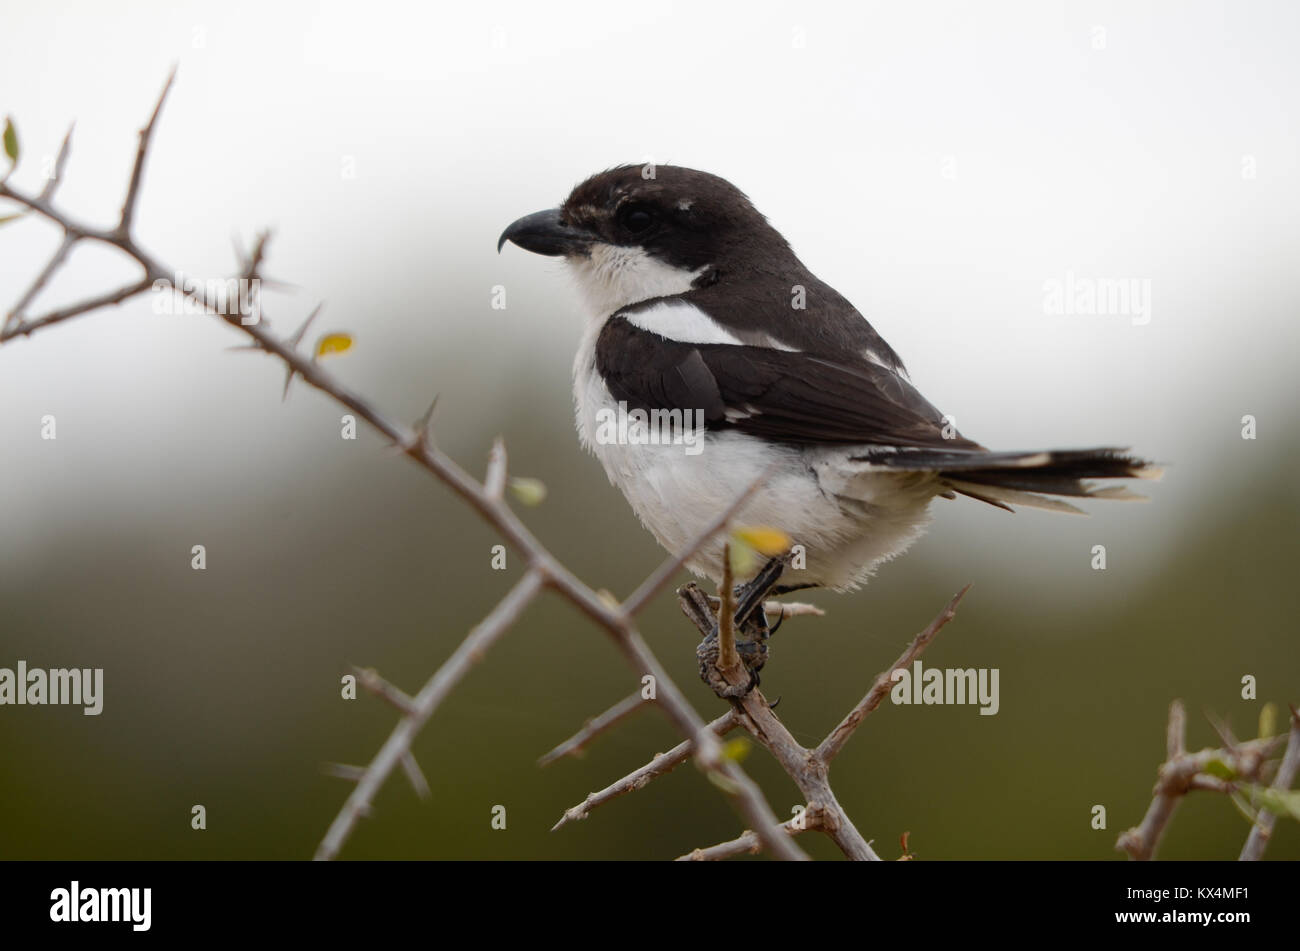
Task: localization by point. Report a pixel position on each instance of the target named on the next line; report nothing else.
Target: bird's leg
(776, 591)
(695, 604)
(751, 595)
(751, 626)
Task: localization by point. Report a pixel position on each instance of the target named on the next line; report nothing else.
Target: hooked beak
(543, 233)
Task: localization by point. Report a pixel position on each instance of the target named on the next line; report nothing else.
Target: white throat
(611, 277)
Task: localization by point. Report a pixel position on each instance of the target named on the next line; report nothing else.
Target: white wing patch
(681, 321)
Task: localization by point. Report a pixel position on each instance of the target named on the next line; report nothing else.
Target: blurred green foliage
(223, 686)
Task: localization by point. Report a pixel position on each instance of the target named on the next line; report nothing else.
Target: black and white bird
(695, 302)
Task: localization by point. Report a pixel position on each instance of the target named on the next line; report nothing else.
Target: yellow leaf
(765, 540)
(333, 343)
(736, 749)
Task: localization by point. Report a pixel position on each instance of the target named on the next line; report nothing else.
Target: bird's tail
(1025, 478)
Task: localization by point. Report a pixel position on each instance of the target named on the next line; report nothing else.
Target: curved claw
(779, 621)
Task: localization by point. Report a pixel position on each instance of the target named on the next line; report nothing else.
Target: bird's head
(636, 232)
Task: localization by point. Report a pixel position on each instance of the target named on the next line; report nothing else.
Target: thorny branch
(747, 843)
(1217, 770)
(808, 768)
(1262, 830)
(625, 708)
(661, 765)
(831, 746)
(543, 570)
(594, 727)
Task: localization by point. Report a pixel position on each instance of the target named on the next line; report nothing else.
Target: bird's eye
(636, 219)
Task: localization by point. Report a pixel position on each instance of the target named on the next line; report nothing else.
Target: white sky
(935, 162)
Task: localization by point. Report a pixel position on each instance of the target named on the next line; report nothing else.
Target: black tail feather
(999, 478)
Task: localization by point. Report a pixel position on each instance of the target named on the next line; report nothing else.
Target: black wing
(780, 395)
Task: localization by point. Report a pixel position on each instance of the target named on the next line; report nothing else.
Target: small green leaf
(744, 560)
(1243, 806)
(1268, 720)
(530, 492)
(1282, 802)
(11, 140)
(1217, 767)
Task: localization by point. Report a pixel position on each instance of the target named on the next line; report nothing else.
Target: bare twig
(295, 339)
(398, 745)
(142, 151)
(809, 772)
(357, 773)
(370, 680)
(1262, 830)
(1141, 842)
(56, 261)
(52, 183)
(747, 843)
(594, 727)
(99, 302)
(1176, 733)
(494, 483)
(661, 765)
(831, 746)
(343, 771)
(728, 659)
(415, 775)
(424, 426)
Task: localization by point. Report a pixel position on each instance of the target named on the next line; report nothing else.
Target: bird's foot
(750, 625)
(752, 656)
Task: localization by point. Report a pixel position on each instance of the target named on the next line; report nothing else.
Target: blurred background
(939, 163)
